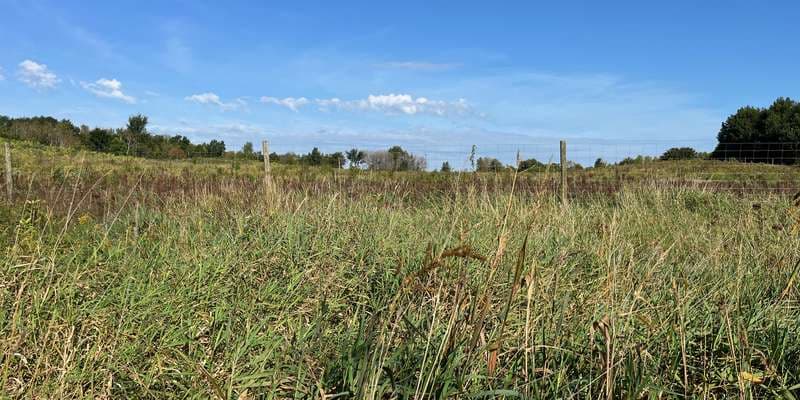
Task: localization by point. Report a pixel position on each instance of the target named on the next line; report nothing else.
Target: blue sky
(433, 76)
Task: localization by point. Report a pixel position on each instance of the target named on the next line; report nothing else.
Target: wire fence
(592, 167)
(608, 166)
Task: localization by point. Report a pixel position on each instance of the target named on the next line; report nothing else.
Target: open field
(44, 172)
(129, 278)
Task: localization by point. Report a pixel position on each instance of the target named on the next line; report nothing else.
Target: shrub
(679, 153)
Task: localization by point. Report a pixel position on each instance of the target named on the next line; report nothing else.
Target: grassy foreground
(241, 293)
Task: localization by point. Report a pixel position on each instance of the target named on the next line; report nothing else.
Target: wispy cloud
(2, 77)
(108, 88)
(213, 99)
(36, 75)
(390, 104)
(399, 104)
(418, 65)
(291, 103)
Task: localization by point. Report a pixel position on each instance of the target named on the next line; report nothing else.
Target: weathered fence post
(267, 170)
(9, 177)
(563, 172)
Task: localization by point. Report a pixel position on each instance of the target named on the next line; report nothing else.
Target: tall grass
(228, 292)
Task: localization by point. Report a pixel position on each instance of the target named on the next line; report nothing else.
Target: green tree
(99, 140)
(356, 157)
(398, 157)
(782, 121)
(314, 158)
(136, 130)
(530, 165)
(638, 160)
(336, 159)
(215, 148)
(247, 150)
(761, 135)
(395, 159)
(679, 153)
(745, 126)
(600, 163)
(446, 167)
(489, 164)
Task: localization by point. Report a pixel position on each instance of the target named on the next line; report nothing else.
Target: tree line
(753, 134)
(134, 139)
(393, 159)
(490, 164)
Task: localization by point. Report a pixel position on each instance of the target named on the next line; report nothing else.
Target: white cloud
(212, 98)
(37, 75)
(2, 77)
(392, 104)
(418, 65)
(204, 98)
(109, 88)
(399, 104)
(291, 103)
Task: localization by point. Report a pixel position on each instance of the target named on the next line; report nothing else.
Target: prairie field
(132, 278)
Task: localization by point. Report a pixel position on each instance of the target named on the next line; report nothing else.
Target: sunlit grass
(228, 291)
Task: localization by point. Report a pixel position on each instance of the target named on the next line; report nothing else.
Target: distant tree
(488, 164)
(679, 153)
(398, 156)
(133, 139)
(782, 122)
(182, 142)
(5, 125)
(638, 160)
(445, 167)
(136, 129)
(336, 159)
(314, 158)
(99, 140)
(394, 159)
(247, 150)
(769, 135)
(530, 165)
(288, 158)
(44, 130)
(355, 157)
(599, 163)
(746, 125)
(176, 152)
(215, 148)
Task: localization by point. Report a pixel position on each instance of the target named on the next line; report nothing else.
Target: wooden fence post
(564, 172)
(267, 169)
(9, 177)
